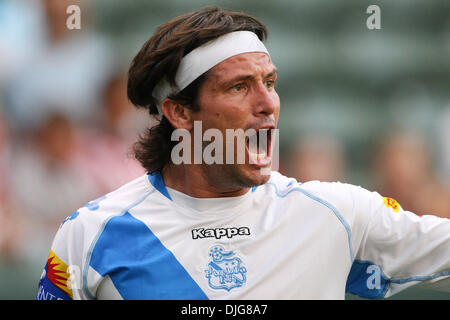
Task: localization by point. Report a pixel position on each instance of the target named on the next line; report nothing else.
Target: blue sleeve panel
(139, 265)
(367, 280)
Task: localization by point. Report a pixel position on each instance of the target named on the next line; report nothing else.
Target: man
(227, 229)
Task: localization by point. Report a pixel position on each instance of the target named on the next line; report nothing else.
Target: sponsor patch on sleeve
(55, 282)
(391, 203)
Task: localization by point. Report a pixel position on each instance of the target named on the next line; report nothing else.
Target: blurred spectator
(53, 87)
(17, 19)
(68, 72)
(49, 181)
(444, 143)
(11, 221)
(317, 157)
(3, 158)
(404, 171)
(110, 142)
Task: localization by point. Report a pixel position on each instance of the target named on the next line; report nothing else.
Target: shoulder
(327, 191)
(120, 200)
(78, 234)
(342, 198)
(88, 220)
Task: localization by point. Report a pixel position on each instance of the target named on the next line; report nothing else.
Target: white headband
(203, 58)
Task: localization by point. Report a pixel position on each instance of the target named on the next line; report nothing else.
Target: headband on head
(203, 58)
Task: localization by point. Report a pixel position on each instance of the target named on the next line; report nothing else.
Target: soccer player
(228, 229)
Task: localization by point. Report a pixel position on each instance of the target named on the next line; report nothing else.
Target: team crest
(225, 270)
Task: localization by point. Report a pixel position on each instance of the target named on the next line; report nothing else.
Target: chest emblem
(225, 269)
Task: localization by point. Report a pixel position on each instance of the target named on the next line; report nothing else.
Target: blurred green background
(346, 92)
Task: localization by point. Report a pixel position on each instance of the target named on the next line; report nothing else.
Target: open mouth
(258, 147)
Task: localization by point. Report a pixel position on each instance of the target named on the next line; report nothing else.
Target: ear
(177, 114)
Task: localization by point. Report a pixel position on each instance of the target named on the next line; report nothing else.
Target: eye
(270, 83)
(237, 87)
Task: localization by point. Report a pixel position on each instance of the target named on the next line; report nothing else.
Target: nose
(265, 100)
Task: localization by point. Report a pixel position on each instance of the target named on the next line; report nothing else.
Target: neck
(195, 181)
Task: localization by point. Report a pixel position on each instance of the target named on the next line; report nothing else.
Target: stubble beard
(233, 176)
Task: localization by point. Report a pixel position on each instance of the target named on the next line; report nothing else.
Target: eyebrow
(246, 77)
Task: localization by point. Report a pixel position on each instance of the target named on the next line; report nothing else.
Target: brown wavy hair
(159, 58)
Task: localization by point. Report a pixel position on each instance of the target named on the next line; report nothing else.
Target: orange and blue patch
(55, 283)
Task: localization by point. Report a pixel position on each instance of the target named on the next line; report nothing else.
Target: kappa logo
(220, 232)
(225, 270)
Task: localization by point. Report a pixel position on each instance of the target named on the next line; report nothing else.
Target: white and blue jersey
(281, 240)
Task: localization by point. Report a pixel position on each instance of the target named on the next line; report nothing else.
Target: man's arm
(395, 249)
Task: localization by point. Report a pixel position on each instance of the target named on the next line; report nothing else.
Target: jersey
(280, 240)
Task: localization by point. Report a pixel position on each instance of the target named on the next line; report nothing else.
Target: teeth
(258, 146)
(264, 132)
(260, 156)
